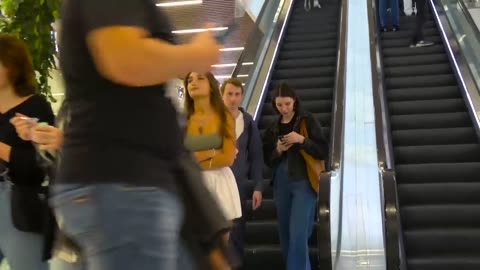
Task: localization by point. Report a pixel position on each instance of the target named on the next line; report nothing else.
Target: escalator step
(420, 70)
(437, 173)
(407, 51)
(453, 153)
(303, 72)
(312, 82)
(427, 106)
(438, 193)
(464, 262)
(425, 59)
(414, 137)
(442, 242)
(437, 92)
(423, 121)
(441, 216)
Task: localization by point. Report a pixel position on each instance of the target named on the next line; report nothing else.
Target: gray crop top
(201, 142)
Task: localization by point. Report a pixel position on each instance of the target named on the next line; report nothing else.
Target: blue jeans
(120, 227)
(22, 250)
(295, 202)
(383, 6)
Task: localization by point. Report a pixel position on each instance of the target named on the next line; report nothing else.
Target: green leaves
(32, 21)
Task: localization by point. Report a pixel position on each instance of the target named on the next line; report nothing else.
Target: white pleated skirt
(221, 182)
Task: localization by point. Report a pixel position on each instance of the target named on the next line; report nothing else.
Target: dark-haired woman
(208, 118)
(21, 223)
(295, 199)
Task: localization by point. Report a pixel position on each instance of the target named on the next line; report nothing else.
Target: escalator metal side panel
(469, 88)
(362, 222)
(263, 71)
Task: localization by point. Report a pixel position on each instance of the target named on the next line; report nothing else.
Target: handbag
(29, 204)
(314, 166)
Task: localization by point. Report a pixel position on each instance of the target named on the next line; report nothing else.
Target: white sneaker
(317, 4)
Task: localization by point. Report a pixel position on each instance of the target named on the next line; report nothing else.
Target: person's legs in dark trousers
(238, 233)
(301, 224)
(382, 13)
(395, 13)
(418, 38)
(283, 203)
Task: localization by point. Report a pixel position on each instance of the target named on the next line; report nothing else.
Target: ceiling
(219, 12)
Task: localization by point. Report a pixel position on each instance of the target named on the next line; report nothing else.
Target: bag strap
(303, 129)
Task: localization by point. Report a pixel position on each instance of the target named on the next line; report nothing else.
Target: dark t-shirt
(116, 133)
(23, 166)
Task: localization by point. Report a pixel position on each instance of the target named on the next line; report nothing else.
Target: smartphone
(222, 36)
(32, 120)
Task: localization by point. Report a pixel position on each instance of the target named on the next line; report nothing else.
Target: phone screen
(30, 119)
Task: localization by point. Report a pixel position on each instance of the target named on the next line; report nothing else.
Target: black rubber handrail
(336, 151)
(393, 233)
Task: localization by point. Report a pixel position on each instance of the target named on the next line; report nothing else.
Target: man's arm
(120, 43)
(126, 55)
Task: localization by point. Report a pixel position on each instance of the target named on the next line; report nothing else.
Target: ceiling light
(198, 30)
(231, 49)
(232, 65)
(179, 3)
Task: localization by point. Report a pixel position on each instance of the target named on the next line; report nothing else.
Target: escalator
(436, 153)
(307, 61)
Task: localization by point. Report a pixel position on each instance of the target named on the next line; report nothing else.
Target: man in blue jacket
(249, 162)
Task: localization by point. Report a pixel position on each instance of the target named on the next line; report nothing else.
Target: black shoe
(384, 29)
(395, 28)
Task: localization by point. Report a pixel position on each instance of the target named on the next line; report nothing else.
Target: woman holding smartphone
(21, 221)
(295, 199)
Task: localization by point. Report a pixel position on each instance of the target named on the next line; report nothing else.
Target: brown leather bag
(314, 166)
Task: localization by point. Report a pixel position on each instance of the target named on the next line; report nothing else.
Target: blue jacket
(249, 161)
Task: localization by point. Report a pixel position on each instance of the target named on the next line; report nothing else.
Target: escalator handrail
(324, 237)
(249, 48)
(393, 233)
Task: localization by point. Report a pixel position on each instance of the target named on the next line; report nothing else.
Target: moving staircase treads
(436, 152)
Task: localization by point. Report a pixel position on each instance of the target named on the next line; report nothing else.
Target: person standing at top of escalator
(394, 13)
(285, 150)
(418, 35)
